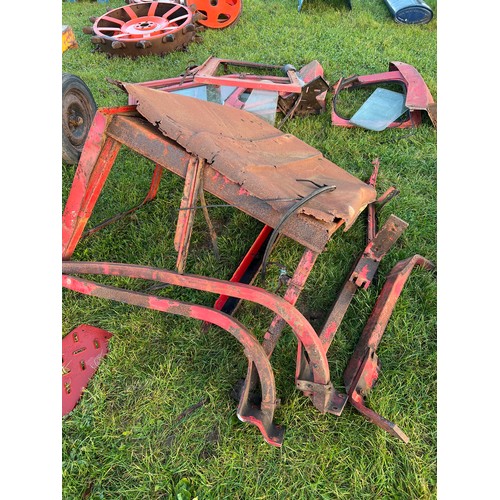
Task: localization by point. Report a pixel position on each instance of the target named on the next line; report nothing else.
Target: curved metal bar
(262, 418)
(299, 325)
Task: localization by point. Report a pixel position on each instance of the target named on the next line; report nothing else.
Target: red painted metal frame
(113, 127)
(90, 177)
(282, 307)
(187, 82)
(96, 161)
(360, 276)
(363, 368)
(206, 73)
(310, 99)
(418, 97)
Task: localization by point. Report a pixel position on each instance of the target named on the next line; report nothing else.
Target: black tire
(78, 110)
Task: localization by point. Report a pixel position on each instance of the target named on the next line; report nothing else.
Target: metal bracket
(325, 397)
(367, 266)
(308, 386)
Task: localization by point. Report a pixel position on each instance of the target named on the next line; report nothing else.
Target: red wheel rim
(133, 23)
(218, 13)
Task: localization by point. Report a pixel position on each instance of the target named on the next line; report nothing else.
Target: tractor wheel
(78, 110)
(145, 28)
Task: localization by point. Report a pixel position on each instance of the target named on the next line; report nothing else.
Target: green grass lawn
(133, 435)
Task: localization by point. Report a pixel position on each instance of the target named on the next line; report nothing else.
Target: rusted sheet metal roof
(259, 157)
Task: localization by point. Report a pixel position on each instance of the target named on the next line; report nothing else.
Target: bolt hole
(67, 388)
(82, 365)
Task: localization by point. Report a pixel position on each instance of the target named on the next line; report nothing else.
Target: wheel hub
(74, 120)
(144, 26)
(76, 117)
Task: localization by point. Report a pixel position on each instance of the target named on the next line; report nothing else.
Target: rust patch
(254, 154)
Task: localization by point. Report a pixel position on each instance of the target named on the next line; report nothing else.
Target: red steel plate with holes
(218, 13)
(82, 351)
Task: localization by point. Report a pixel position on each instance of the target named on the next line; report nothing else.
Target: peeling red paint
(243, 192)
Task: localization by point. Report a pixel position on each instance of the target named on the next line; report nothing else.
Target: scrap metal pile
(214, 126)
